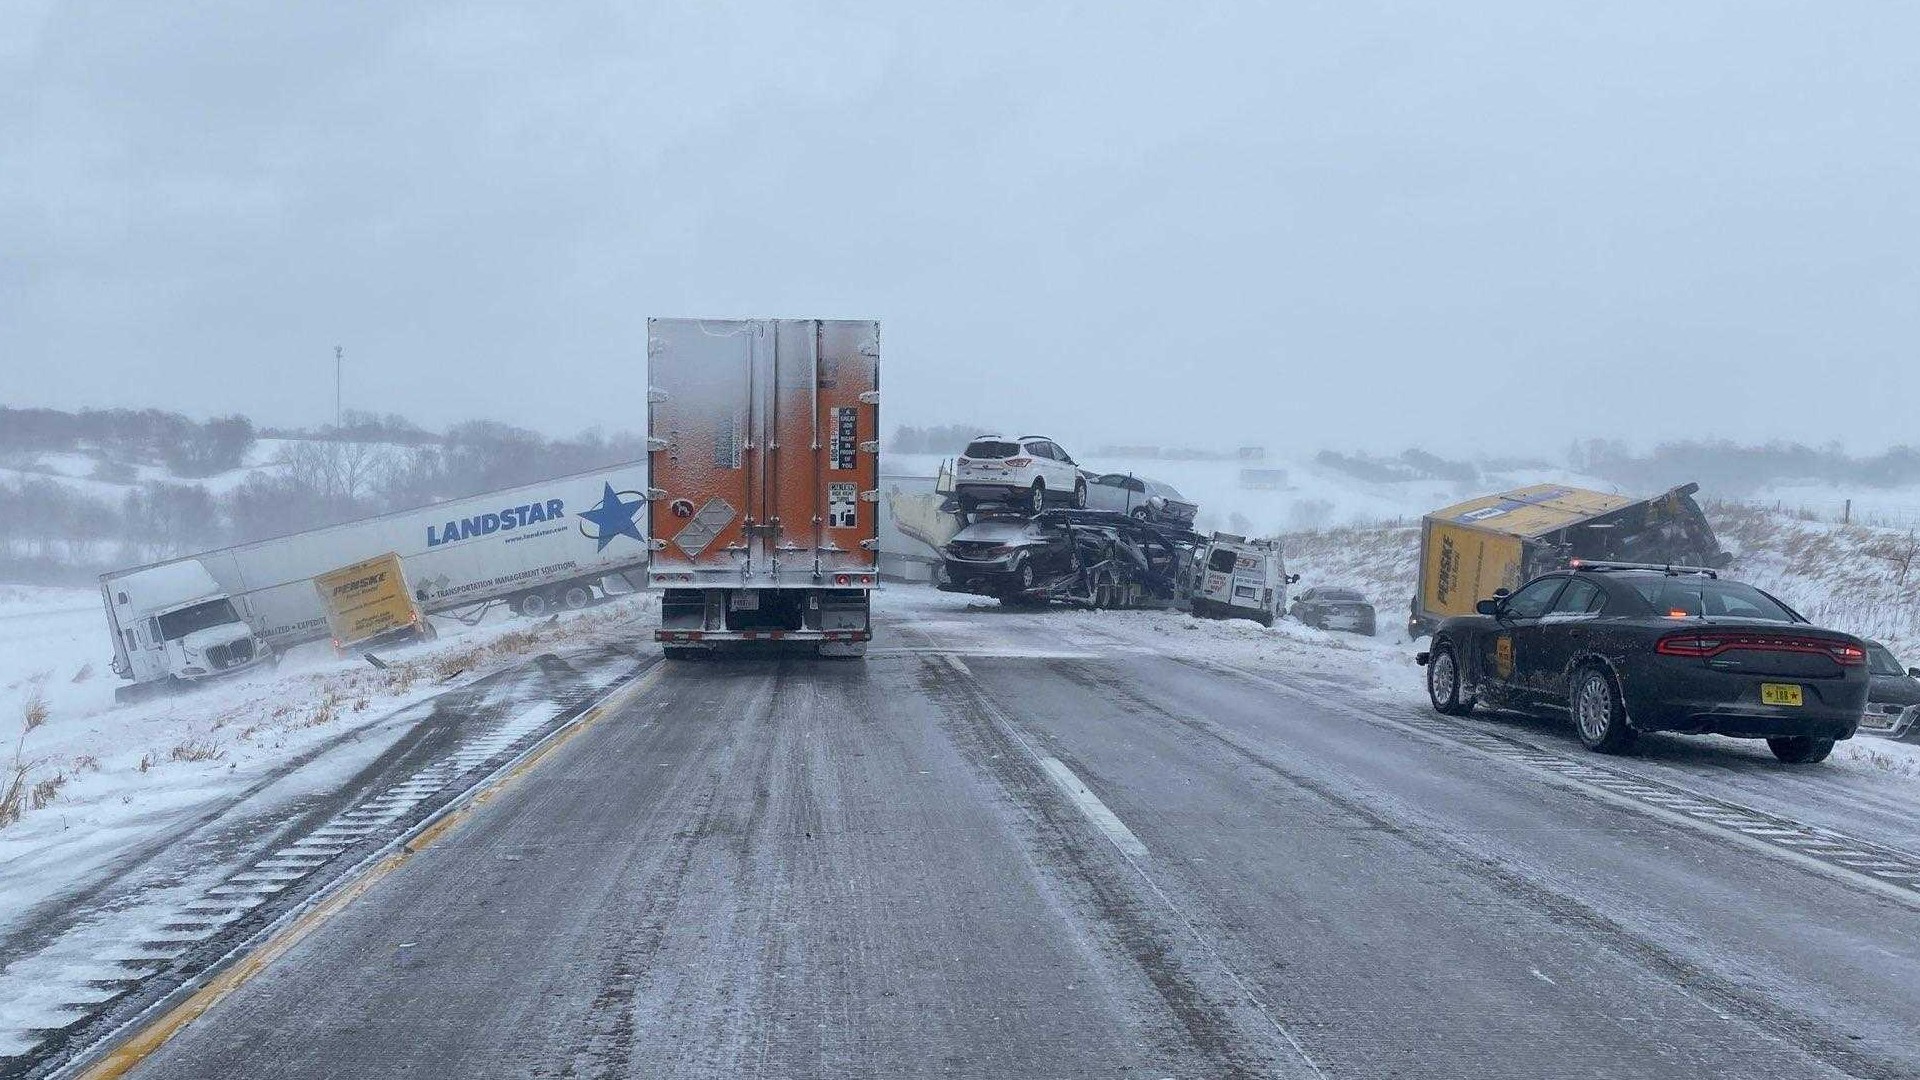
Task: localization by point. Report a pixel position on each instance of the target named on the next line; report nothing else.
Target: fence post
(1846, 512)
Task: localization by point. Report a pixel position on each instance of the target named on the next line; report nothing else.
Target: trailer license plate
(750, 601)
(1773, 693)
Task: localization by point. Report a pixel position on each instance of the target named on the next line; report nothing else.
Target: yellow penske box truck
(369, 603)
(1478, 547)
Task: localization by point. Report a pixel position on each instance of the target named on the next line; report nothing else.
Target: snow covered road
(1104, 844)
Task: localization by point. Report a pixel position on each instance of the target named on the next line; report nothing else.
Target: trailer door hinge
(870, 496)
(871, 397)
(656, 544)
(871, 446)
(654, 445)
(871, 543)
(655, 393)
(656, 494)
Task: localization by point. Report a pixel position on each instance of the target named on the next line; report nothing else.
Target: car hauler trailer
(763, 434)
(1498, 541)
(537, 547)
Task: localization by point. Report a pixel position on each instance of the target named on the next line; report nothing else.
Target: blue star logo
(613, 516)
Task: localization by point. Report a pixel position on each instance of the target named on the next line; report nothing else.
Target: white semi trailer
(538, 547)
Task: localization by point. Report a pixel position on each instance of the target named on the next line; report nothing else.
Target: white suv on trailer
(1029, 473)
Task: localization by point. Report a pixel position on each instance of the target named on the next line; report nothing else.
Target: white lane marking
(1247, 991)
(1096, 811)
(958, 664)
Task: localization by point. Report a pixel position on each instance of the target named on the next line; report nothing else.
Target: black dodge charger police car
(1627, 648)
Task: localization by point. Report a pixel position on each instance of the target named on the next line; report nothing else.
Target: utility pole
(337, 351)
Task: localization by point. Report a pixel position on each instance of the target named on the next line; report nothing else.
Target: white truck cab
(1238, 578)
(173, 623)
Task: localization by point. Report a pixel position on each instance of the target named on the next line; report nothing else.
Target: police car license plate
(1773, 693)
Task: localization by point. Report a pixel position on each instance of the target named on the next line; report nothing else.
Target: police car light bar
(1666, 568)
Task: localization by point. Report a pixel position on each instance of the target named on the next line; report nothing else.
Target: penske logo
(360, 585)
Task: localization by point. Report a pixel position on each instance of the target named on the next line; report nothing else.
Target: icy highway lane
(1055, 845)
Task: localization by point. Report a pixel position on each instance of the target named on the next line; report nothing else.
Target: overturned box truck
(1499, 541)
(763, 435)
(537, 547)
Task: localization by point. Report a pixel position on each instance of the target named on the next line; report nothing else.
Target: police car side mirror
(1913, 673)
(1487, 607)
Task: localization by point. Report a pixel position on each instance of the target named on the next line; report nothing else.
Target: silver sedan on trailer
(1139, 498)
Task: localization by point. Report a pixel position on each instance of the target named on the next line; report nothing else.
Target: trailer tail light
(1700, 646)
(852, 579)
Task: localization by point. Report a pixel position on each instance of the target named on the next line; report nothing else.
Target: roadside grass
(21, 791)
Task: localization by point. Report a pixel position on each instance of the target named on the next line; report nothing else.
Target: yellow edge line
(155, 1035)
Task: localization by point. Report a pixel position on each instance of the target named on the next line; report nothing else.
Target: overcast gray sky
(1303, 224)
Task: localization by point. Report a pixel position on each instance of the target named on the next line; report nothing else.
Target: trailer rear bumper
(679, 637)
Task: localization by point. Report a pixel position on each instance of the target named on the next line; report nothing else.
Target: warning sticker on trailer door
(841, 502)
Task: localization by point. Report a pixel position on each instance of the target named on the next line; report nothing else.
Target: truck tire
(1037, 497)
(532, 604)
(1800, 749)
(1139, 513)
(1080, 495)
(576, 596)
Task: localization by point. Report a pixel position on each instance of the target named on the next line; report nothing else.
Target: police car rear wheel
(1598, 712)
(1800, 749)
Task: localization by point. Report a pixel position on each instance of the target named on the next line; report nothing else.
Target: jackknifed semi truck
(538, 547)
(764, 441)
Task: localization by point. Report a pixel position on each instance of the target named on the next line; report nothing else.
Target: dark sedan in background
(1330, 607)
(1893, 701)
(1624, 649)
